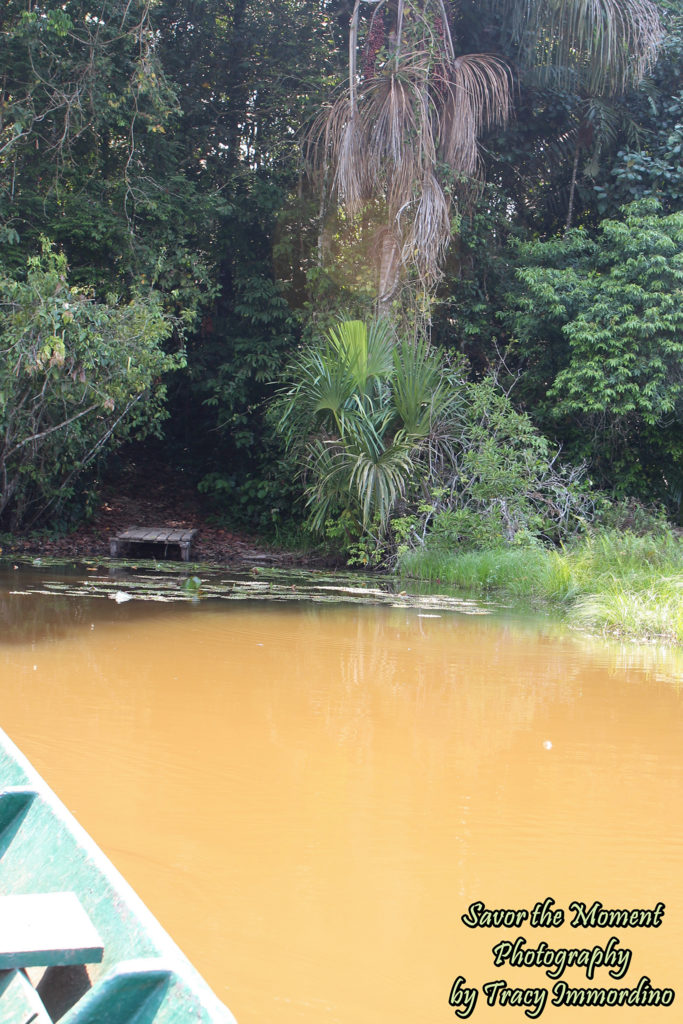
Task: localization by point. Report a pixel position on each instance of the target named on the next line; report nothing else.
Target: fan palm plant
(360, 412)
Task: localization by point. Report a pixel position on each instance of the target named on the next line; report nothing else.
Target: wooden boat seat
(133, 991)
(134, 972)
(46, 929)
(15, 804)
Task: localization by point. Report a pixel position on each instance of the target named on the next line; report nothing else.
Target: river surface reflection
(309, 797)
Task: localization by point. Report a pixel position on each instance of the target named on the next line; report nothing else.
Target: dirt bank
(145, 498)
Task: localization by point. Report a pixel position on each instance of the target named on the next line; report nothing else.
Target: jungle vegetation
(406, 271)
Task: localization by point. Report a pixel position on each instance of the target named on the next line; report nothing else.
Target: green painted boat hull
(142, 977)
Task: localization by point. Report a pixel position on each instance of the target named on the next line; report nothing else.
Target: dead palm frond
(390, 129)
(479, 88)
(336, 141)
(606, 44)
(429, 231)
(417, 108)
(387, 135)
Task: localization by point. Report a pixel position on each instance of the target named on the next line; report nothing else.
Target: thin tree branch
(51, 430)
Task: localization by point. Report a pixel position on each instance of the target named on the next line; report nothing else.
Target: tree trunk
(572, 187)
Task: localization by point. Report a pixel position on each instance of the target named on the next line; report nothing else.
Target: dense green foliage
(76, 376)
(503, 484)
(85, 103)
(222, 169)
(394, 441)
(613, 303)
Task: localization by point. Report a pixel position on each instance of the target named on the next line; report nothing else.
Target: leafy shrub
(629, 514)
(601, 319)
(257, 502)
(77, 377)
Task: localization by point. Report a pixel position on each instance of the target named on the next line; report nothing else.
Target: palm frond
(430, 231)
(390, 125)
(380, 480)
(336, 141)
(478, 93)
(416, 386)
(364, 433)
(330, 472)
(364, 355)
(608, 44)
(320, 386)
(374, 475)
(331, 391)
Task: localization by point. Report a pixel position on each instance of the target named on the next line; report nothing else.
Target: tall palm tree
(403, 134)
(410, 105)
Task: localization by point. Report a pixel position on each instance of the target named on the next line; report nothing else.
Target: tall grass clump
(529, 572)
(604, 554)
(609, 581)
(631, 585)
(652, 614)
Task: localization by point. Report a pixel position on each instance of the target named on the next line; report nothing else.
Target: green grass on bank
(610, 581)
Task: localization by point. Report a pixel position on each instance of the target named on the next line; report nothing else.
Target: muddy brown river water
(311, 796)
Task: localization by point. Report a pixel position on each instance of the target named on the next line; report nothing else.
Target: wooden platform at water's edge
(162, 535)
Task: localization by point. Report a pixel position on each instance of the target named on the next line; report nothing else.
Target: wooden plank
(156, 535)
(44, 929)
(132, 533)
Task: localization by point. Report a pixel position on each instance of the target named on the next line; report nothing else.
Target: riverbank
(610, 582)
(613, 582)
(146, 496)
